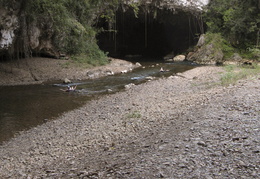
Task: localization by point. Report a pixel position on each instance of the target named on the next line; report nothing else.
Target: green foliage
(108, 15)
(251, 53)
(254, 53)
(237, 21)
(235, 73)
(134, 114)
(135, 7)
(68, 24)
(229, 68)
(219, 42)
(88, 61)
(7, 3)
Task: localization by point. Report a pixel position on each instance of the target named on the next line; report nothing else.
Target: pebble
(202, 143)
(77, 141)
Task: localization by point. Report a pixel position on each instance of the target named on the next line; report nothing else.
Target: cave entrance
(151, 34)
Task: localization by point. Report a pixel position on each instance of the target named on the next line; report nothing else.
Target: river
(23, 107)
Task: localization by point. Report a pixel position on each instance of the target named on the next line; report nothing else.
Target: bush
(219, 42)
(254, 53)
(236, 20)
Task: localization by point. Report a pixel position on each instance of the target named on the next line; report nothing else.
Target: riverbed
(26, 106)
(185, 126)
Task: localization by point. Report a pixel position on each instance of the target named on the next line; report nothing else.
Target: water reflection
(22, 107)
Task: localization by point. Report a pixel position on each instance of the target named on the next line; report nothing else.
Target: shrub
(219, 42)
(254, 53)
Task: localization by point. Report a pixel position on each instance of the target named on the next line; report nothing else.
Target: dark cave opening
(153, 34)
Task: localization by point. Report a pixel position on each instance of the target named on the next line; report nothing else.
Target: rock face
(201, 41)
(40, 41)
(20, 36)
(206, 53)
(9, 23)
(13, 36)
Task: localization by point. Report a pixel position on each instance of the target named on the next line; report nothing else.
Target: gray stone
(202, 143)
(66, 81)
(179, 58)
(201, 41)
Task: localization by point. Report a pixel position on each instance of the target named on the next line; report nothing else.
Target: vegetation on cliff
(68, 24)
(238, 22)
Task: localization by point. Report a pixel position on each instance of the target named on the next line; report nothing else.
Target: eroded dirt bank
(39, 70)
(180, 127)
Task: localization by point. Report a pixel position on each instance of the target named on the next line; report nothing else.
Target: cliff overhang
(155, 18)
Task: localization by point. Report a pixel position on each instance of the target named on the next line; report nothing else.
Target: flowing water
(23, 107)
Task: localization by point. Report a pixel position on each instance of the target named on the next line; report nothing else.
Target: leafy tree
(237, 20)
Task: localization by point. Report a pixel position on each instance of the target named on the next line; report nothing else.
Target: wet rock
(149, 78)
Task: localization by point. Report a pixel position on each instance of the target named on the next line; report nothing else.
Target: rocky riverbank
(185, 126)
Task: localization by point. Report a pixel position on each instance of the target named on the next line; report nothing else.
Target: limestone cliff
(9, 23)
(20, 37)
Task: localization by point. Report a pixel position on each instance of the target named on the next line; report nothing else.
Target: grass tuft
(134, 114)
(235, 73)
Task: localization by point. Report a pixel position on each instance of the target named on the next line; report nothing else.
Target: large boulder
(236, 57)
(179, 58)
(207, 54)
